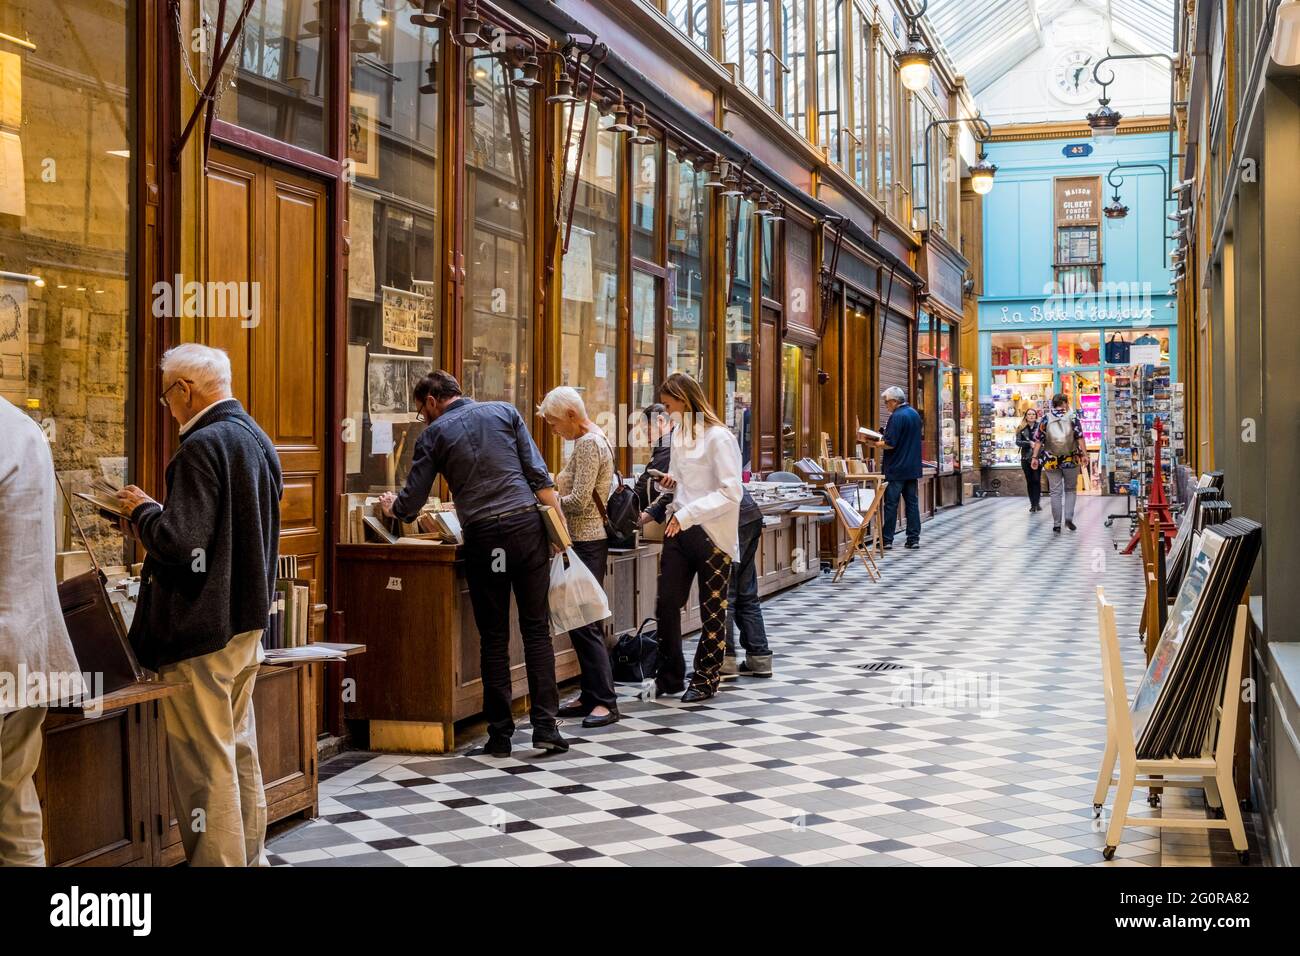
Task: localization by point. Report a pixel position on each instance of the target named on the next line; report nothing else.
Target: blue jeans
(906, 489)
(743, 607)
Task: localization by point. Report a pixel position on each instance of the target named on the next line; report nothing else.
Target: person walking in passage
(743, 606)
(700, 539)
(585, 477)
(497, 477)
(902, 466)
(1062, 452)
(205, 594)
(1027, 442)
(33, 638)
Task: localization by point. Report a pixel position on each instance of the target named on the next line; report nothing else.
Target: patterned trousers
(692, 555)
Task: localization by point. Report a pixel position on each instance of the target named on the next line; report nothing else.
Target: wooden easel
(1213, 773)
(855, 525)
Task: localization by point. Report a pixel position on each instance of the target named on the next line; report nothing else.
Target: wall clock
(1070, 78)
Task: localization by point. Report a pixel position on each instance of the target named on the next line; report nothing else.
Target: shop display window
(739, 330)
(791, 391)
(589, 271)
(687, 225)
(66, 256)
(1014, 393)
(499, 241)
(1078, 348)
(645, 196)
(645, 307)
(967, 411)
(394, 294)
(1021, 348)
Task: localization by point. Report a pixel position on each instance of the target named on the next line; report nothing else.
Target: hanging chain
(210, 38)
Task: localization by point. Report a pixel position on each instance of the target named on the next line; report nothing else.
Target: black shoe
(1070, 524)
(574, 708)
(497, 746)
(694, 695)
(662, 690)
(912, 545)
(549, 740)
(603, 721)
(1056, 529)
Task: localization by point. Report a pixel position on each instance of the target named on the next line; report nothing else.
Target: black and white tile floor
(982, 749)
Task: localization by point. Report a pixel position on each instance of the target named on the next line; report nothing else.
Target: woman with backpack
(1062, 451)
(1027, 442)
(584, 485)
(701, 539)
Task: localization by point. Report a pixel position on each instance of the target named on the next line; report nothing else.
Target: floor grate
(877, 666)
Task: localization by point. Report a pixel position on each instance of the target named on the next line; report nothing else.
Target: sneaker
(549, 740)
(1070, 524)
(912, 545)
(1056, 529)
(888, 546)
(729, 669)
(757, 665)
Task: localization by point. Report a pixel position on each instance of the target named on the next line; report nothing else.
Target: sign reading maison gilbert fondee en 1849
(1078, 200)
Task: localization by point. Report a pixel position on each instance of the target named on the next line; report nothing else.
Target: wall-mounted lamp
(981, 175)
(916, 62)
(432, 14)
(1285, 49)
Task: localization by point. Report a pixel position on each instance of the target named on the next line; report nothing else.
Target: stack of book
(290, 621)
(362, 521)
(1174, 711)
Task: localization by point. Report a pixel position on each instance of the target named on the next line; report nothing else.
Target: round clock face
(1071, 77)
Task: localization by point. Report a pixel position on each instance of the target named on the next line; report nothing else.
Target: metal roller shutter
(895, 360)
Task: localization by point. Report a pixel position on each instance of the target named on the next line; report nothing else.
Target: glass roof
(988, 38)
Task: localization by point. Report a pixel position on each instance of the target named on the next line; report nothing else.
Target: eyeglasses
(162, 399)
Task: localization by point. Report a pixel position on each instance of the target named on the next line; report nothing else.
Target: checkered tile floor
(980, 748)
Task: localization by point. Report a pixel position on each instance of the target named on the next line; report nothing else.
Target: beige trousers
(20, 811)
(212, 751)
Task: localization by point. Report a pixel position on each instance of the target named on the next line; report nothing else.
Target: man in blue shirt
(902, 466)
(497, 477)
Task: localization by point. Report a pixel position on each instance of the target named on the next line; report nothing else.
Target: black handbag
(1117, 351)
(635, 655)
(619, 514)
(94, 626)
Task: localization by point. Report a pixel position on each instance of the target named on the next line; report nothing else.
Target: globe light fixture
(1105, 121)
(916, 62)
(1285, 50)
(981, 176)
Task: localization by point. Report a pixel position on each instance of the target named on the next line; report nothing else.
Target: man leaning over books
(205, 594)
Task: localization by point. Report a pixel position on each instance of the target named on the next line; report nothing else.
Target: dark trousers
(504, 555)
(906, 489)
(597, 680)
(1034, 482)
(691, 554)
(743, 607)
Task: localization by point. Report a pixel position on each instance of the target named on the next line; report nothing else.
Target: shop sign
(1078, 200)
(1046, 314)
(1076, 150)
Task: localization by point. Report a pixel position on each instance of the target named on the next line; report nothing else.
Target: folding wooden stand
(855, 525)
(1212, 773)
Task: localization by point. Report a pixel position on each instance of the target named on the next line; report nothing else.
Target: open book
(109, 507)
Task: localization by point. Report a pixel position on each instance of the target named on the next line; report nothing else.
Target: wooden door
(267, 227)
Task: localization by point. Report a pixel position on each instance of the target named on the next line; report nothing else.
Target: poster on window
(401, 325)
(361, 249)
(13, 189)
(13, 341)
(578, 279)
(426, 320)
(11, 90)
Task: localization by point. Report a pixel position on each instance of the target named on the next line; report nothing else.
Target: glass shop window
(645, 195)
(1021, 348)
(67, 87)
(645, 311)
(687, 225)
(394, 282)
(589, 279)
(1079, 348)
(499, 240)
(791, 393)
(282, 80)
(739, 332)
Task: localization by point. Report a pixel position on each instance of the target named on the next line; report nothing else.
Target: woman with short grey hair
(584, 480)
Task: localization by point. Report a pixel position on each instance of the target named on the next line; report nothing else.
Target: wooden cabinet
(103, 782)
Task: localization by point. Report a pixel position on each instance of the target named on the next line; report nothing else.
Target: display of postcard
(389, 382)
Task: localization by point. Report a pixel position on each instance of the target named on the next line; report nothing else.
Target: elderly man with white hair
(902, 466)
(205, 594)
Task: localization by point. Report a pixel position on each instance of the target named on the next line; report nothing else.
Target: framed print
(363, 134)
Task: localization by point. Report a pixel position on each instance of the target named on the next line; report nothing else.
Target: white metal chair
(1212, 772)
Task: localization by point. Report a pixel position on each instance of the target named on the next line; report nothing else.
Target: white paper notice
(381, 438)
(601, 367)
(13, 190)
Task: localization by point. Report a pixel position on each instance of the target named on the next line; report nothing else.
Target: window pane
(1078, 348)
(1014, 392)
(740, 325)
(828, 77)
(282, 81)
(64, 343)
(645, 307)
(794, 53)
(1016, 348)
(589, 312)
(394, 281)
(860, 98)
(645, 183)
(791, 364)
(688, 244)
(885, 128)
(499, 243)
(692, 18)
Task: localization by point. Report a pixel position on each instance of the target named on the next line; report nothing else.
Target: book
(869, 434)
(379, 529)
(556, 528)
(109, 508)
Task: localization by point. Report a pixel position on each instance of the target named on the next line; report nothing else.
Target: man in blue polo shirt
(902, 466)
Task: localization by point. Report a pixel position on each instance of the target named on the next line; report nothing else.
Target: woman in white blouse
(700, 539)
(586, 476)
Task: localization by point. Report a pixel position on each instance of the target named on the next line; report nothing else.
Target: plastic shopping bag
(576, 597)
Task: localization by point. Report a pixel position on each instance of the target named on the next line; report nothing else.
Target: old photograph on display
(390, 380)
